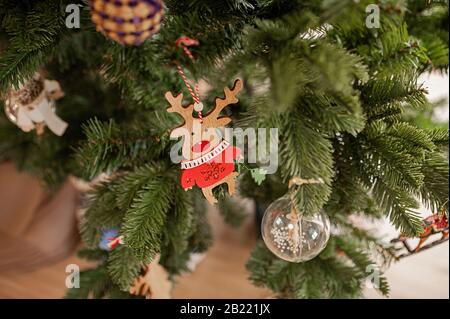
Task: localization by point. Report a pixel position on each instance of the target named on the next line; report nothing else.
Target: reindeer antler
(230, 98)
(177, 107)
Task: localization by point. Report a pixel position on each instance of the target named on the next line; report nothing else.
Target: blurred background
(39, 236)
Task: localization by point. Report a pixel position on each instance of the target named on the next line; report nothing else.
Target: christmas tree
(335, 77)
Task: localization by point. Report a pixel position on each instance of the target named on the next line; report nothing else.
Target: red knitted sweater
(212, 171)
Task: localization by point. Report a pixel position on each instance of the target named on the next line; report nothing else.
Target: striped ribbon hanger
(184, 43)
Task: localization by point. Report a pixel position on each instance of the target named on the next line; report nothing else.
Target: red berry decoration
(127, 21)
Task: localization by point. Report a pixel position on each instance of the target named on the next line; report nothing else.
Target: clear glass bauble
(292, 236)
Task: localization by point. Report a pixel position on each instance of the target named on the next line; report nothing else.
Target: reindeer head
(201, 136)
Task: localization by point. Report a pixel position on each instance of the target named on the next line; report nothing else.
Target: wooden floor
(221, 274)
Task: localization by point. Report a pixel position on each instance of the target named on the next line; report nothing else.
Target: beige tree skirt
(36, 227)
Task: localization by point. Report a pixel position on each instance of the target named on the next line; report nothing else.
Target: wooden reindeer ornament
(207, 157)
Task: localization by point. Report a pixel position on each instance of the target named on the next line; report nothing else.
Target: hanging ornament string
(184, 43)
(298, 181)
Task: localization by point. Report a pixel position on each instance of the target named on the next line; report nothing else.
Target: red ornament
(437, 223)
(114, 241)
(434, 224)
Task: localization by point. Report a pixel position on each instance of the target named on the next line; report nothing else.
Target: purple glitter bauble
(127, 22)
(119, 20)
(137, 20)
